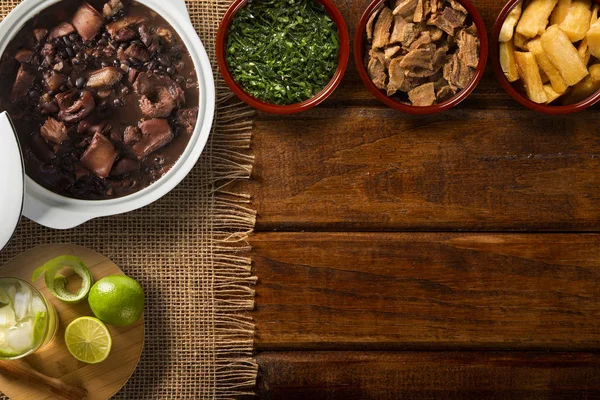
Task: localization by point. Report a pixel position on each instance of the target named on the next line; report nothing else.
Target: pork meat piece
(406, 8)
(75, 106)
(383, 27)
(423, 41)
(100, 156)
(390, 52)
(468, 48)
(54, 131)
(54, 80)
(187, 118)
(404, 32)
(124, 35)
(62, 29)
(423, 95)
(156, 133)
(137, 52)
(458, 7)
(88, 21)
(111, 8)
(150, 38)
(377, 72)
(371, 24)
(445, 93)
(23, 82)
(435, 33)
(448, 20)
(40, 34)
(130, 20)
(24, 55)
(161, 106)
(131, 135)
(422, 11)
(438, 58)
(105, 77)
(160, 95)
(397, 77)
(418, 58)
(456, 73)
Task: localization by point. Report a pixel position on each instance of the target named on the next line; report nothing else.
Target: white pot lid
(12, 180)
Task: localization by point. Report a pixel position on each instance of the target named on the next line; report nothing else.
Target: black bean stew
(103, 94)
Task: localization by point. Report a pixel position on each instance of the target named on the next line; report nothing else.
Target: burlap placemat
(189, 251)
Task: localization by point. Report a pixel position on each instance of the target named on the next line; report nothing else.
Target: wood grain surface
(427, 291)
(430, 375)
(370, 286)
(102, 380)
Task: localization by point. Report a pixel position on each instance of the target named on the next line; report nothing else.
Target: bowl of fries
(546, 54)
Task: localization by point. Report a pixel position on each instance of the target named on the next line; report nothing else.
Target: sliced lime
(88, 340)
(56, 282)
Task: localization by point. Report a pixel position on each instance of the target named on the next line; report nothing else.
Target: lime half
(88, 340)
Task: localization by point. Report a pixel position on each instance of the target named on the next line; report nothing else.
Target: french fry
(577, 20)
(560, 11)
(520, 41)
(556, 79)
(594, 16)
(508, 27)
(534, 20)
(544, 77)
(584, 52)
(593, 39)
(507, 61)
(550, 93)
(587, 87)
(563, 55)
(530, 74)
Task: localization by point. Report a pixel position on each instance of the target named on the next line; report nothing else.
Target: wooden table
(449, 256)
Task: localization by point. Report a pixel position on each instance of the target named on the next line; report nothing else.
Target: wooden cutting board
(103, 380)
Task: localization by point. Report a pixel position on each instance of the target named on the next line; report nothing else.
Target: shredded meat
(383, 26)
(423, 95)
(371, 23)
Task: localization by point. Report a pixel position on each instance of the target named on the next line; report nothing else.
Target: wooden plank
(432, 375)
(376, 169)
(427, 291)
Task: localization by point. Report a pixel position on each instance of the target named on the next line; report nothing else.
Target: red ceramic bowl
(510, 88)
(359, 53)
(292, 108)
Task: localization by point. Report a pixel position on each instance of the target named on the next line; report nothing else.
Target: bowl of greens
(283, 57)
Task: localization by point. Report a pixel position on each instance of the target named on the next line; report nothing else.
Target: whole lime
(117, 300)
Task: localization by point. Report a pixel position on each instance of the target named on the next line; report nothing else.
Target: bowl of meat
(421, 56)
(112, 102)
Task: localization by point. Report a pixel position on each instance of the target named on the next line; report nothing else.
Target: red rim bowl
(359, 52)
(344, 55)
(510, 88)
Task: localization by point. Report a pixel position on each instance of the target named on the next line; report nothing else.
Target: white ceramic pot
(59, 212)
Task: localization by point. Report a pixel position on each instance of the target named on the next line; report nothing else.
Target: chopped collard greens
(282, 51)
